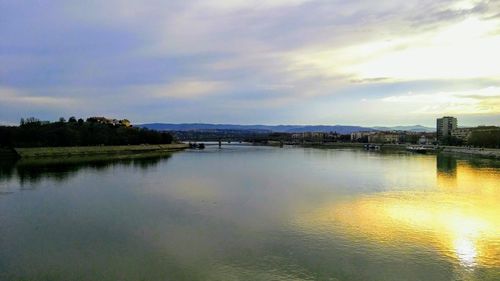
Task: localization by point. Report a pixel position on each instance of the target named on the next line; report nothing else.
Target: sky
(325, 62)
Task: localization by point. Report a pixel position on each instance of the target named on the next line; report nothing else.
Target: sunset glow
(461, 219)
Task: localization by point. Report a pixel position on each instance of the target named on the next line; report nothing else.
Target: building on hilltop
(114, 122)
(445, 126)
(125, 123)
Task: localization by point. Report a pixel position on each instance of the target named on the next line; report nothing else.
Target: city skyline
(274, 62)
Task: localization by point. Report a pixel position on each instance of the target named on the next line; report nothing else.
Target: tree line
(33, 132)
(485, 138)
(489, 138)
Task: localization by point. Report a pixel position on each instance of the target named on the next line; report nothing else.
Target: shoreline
(76, 151)
(492, 153)
(386, 146)
(47, 152)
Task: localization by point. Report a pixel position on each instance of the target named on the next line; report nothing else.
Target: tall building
(445, 125)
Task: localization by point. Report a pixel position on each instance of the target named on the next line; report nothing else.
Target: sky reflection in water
(252, 213)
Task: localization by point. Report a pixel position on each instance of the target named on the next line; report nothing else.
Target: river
(252, 213)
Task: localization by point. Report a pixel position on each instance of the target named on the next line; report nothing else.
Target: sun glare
(460, 219)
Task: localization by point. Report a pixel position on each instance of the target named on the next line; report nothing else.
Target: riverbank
(481, 152)
(88, 160)
(7, 153)
(354, 145)
(37, 152)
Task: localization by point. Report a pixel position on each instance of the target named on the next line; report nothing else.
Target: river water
(252, 213)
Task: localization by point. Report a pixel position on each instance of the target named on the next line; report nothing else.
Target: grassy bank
(35, 152)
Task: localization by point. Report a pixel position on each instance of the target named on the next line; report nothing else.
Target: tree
(345, 138)
(410, 138)
(485, 138)
(32, 120)
(451, 140)
(35, 133)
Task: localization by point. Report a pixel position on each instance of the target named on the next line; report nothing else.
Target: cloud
(464, 50)
(9, 96)
(481, 101)
(299, 59)
(16, 103)
(243, 4)
(187, 89)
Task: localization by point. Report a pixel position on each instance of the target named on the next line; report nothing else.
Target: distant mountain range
(415, 128)
(279, 128)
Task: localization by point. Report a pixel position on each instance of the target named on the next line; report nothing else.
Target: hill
(414, 128)
(261, 128)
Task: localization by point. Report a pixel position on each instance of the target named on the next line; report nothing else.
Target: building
(384, 137)
(445, 126)
(315, 137)
(423, 140)
(114, 122)
(462, 134)
(426, 139)
(125, 123)
(360, 136)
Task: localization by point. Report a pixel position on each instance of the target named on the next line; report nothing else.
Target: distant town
(110, 131)
(447, 132)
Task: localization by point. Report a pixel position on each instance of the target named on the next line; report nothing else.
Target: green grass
(32, 152)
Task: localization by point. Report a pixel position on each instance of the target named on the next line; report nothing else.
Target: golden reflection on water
(460, 217)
